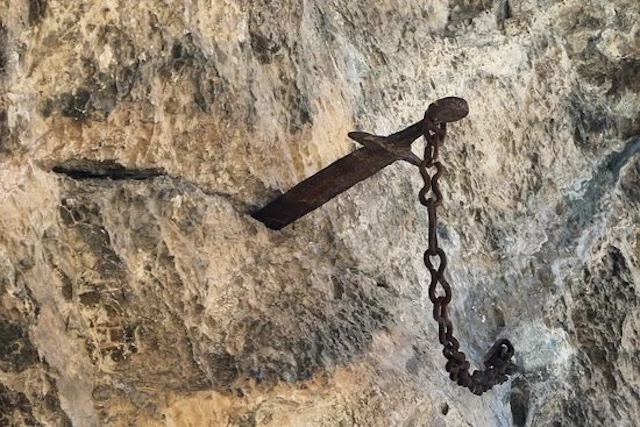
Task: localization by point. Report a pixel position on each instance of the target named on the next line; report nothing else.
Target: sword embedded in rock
(378, 152)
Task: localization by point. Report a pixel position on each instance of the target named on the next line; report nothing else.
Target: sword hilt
(400, 152)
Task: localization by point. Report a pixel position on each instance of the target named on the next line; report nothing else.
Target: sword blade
(316, 190)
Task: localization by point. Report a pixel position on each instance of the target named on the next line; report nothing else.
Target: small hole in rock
(444, 409)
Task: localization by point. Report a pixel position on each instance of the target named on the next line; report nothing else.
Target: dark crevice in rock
(109, 169)
(630, 127)
(444, 408)
(504, 13)
(77, 104)
(519, 401)
(626, 76)
(4, 130)
(84, 170)
(589, 122)
(185, 53)
(4, 57)
(16, 350)
(37, 9)
(263, 47)
(506, 7)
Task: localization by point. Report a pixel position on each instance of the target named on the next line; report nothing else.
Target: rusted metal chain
(498, 365)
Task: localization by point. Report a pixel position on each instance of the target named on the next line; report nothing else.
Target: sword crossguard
(398, 151)
(398, 145)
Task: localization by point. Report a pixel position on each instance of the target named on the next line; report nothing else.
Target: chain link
(498, 364)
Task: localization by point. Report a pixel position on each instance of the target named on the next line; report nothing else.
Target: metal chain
(498, 364)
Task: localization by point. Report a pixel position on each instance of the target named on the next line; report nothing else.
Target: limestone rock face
(137, 137)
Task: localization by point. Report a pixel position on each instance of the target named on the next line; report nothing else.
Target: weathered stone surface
(136, 138)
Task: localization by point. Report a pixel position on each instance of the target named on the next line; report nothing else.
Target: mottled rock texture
(138, 290)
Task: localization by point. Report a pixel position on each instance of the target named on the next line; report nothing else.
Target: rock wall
(136, 138)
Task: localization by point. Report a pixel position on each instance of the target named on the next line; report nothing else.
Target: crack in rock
(108, 169)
